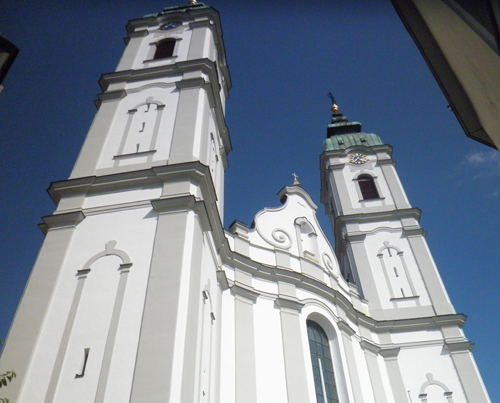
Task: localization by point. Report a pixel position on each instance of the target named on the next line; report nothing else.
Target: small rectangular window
(164, 49)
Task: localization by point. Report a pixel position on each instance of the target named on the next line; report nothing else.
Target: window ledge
(163, 58)
(131, 155)
(368, 200)
(406, 298)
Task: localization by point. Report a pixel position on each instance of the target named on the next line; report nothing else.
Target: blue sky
(284, 56)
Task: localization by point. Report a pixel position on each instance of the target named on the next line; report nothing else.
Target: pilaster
(246, 375)
(394, 373)
(293, 349)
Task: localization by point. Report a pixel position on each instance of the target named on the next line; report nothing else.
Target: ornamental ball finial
(335, 107)
(192, 2)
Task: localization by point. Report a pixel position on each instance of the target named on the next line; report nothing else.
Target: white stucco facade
(140, 295)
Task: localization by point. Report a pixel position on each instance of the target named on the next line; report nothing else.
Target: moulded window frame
(338, 359)
(153, 47)
(375, 182)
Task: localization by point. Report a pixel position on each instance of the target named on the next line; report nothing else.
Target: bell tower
(379, 242)
(122, 302)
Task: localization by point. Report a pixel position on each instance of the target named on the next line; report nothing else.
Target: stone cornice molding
(191, 83)
(200, 24)
(102, 184)
(355, 237)
(239, 229)
(116, 207)
(289, 304)
(246, 293)
(315, 286)
(222, 279)
(183, 203)
(389, 353)
(413, 231)
(345, 328)
(369, 346)
(412, 213)
(64, 220)
(109, 96)
(458, 347)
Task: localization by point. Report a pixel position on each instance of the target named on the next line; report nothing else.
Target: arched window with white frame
(322, 364)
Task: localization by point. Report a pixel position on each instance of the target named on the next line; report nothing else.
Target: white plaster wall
(167, 95)
(428, 335)
(373, 244)
(134, 232)
(270, 367)
(415, 363)
(90, 330)
(265, 286)
(228, 363)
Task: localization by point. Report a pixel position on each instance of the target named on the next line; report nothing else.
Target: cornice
(389, 353)
(245, 292)
(380, 215)
(345, 328)
(272, 273)
(369, 346)
(458, 347)
(64, 220)
(289, 304)
(183, 203)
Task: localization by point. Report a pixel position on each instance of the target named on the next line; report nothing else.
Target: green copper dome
(343, 141)
(342, 134)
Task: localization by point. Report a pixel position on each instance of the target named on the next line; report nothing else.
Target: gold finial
(192, 2)
(335, 107)
(295, 180)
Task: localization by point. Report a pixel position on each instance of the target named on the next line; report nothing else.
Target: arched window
(367, 187)
(322, 365)
(164, 48)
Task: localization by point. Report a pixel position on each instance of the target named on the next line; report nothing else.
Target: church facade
(139, 294)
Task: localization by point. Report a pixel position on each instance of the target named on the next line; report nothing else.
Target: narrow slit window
(367, 187)
(164, 49)
(83, 365)
(322, 364)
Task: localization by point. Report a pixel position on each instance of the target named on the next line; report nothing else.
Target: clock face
(171, 25)
(357, 159)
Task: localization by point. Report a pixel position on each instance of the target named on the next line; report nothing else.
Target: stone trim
(345, 328)
(289, 304)
(62, 220)
(246, 293)
(389, 353)
(369, 346)
(460, 346)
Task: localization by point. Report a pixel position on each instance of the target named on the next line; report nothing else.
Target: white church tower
(120, 303)
(139, 295)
